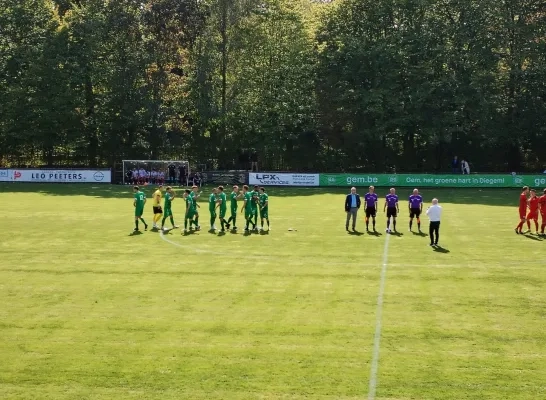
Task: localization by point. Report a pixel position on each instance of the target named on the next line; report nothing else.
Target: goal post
(153, 172)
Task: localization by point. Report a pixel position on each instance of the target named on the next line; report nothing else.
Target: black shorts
(370, 212)
(391, 212)
(158, 210)
(415, 212)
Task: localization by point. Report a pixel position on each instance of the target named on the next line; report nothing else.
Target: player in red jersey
(533, 211)
(522, 208)
(542, 208)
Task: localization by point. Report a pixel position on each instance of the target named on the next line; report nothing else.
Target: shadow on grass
(374, 233)
(399, 234)
(440, 249)
(135, 233)
(532, 237)
(422, 234)
(488, 196)
(355, 233)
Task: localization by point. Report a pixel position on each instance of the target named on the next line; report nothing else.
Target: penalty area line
(379, 314)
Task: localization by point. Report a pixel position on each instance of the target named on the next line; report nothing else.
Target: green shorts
(167, 213)
(249, 212)
(139, 211)
(264, 213)
(212, 213)
(223, 212)
(191, 214)
(234, 212)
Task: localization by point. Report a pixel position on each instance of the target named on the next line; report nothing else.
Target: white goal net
(154, 172)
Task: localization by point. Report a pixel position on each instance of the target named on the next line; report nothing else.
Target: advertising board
(282, 179)
(56, 175)
(423, 180)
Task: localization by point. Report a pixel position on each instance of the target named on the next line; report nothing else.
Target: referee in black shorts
(434, 213)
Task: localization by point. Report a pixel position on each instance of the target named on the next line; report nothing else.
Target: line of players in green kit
(255, 202)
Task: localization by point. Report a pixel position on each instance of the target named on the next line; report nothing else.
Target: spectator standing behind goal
(254, 161)
(455, 165)
(434, 213)
(465, 167)
(352, 204)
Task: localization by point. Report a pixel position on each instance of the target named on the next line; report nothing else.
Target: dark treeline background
(375, 85)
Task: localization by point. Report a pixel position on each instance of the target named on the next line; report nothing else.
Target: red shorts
(522, 214)
(533, 215)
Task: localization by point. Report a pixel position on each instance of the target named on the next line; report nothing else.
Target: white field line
(379, 315)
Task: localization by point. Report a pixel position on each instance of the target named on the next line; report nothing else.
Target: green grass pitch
(88, 311)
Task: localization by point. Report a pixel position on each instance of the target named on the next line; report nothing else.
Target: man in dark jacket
(352, 204)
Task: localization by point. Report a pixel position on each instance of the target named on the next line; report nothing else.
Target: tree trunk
(92, 139)
(223, 32)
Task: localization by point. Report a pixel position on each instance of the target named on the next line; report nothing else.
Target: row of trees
(369, 85)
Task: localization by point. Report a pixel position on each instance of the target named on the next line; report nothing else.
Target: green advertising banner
(423, 180)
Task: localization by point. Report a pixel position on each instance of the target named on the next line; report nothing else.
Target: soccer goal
(154, 172)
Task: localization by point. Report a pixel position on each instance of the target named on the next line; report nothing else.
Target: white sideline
(378, 317)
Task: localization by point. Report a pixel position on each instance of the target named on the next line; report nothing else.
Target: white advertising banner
(5, 175)
(57, 175)
(282, 179)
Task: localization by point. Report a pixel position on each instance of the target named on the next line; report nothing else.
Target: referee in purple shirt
(391, 206)
(415, 209)
(370, 199)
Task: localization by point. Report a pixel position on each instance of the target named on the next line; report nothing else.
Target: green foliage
(348, 85)
(408, 84)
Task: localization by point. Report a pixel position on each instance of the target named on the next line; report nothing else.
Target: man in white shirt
(465, 167)
(434, 213)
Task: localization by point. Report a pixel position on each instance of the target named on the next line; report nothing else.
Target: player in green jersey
(255, 203)
(191, 211)
(212, 208)
(248, 208)
(222, 204)
(139, 202)
(264, 208)
(194, 195)
(167, 209)
(233, 200)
